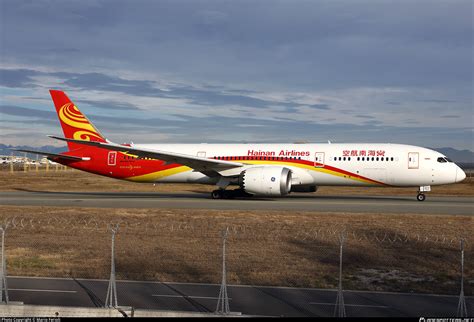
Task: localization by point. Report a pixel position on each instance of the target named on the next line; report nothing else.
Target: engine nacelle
(266, 181)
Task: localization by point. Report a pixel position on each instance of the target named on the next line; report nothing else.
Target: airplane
(268, 170)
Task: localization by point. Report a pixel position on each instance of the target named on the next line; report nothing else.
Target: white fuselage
(349, 164)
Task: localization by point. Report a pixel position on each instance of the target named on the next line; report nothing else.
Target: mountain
(9, 149)
(458, 156)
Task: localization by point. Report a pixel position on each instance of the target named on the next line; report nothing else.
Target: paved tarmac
(252, 300)
(192, 200)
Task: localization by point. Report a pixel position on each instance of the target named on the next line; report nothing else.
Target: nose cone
(460, 174)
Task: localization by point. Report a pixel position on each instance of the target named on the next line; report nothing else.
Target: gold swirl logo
(85, 135)
(70, 114)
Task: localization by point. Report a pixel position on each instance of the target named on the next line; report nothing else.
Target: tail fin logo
(70, 115)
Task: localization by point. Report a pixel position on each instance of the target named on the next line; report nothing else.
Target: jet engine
(266, 181)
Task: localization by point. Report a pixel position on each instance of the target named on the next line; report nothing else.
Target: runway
(250, 300)
(296, 202)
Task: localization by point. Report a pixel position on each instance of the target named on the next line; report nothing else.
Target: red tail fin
(75, 124)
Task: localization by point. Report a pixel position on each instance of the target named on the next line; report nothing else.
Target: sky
(241, 71)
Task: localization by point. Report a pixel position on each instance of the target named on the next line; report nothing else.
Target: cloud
(108, 105)
(303, 45)
(26, 112)
(172, 107)
(450, 116)
(17, 78)
(103, 82)
(365, 116)
(295, 68)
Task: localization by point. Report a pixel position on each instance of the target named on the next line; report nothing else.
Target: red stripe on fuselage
(304, 162)
(128, 166)
(125, 166)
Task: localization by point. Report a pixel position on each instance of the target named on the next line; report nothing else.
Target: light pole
(223, 300)
(111, 298)
(3, 270)
(462, 309)
(339, 309)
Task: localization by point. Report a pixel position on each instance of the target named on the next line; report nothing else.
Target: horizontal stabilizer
(55, 155)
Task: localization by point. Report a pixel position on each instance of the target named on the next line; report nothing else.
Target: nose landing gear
(421, 197)
(421, 193)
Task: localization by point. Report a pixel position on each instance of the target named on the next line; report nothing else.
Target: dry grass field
(74, 180)
(382, 252)
(418, 253)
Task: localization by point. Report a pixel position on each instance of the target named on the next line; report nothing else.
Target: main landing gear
(217, 194)
(421, 193)
(229, 194)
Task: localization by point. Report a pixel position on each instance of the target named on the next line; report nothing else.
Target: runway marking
(236, 286)
(372, 202)
(190, 296)
(355, 305)
(38, 290)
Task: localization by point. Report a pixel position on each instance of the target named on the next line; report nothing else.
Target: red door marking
(112, 159)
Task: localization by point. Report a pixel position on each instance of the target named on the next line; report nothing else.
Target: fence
(381, 260)
(16, 167)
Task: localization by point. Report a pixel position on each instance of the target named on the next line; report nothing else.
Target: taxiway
(252, 300)
(193, 200)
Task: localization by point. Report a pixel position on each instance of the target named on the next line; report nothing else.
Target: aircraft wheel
(216, 194)
(421, 197)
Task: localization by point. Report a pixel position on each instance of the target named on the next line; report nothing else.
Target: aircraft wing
(54, 155)
(197, 163)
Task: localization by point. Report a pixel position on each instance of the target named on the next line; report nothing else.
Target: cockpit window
(442, 160)
(449, 160)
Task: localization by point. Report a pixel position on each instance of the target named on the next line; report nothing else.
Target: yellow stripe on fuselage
(312, 168)
(154, 176)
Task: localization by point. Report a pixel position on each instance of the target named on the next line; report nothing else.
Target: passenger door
(112, 158)
(413, 160)
(319, 160)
